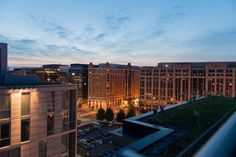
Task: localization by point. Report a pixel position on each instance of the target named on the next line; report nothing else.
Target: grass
(194, 118)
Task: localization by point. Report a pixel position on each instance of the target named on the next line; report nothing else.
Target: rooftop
(38, 85)
(182, 128)
(199, 64)
(194, 123)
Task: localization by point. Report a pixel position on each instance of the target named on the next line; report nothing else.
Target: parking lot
(94, 140)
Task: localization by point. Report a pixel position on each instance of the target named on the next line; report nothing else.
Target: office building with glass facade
(78, 74)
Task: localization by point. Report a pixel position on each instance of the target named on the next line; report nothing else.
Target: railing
(223, 142)
(129, 153)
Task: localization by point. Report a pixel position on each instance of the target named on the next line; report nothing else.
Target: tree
(100, 114)
(120, 116)
(131, 112)
(109, 115)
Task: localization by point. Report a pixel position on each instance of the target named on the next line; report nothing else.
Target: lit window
(25, 104)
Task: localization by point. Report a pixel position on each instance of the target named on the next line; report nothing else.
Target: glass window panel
(64, 141)
(5, 154)
(15, 152)
(51, 104)
(65, 121)
(65, 100)
(5, 114)
(25, 130)
(25, 104)
(43, 148)
(4, 134)
(5, 102)
(5, 106)
(50, 124)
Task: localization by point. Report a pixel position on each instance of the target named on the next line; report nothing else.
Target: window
(25, 104)
(65, 121)
(4, 134)
(64, 142)
(72, 110)
(50, 124)
(5, 106)
(65, 100)
(25, 130)
(43, 148)
(11, 153)
(51, 104)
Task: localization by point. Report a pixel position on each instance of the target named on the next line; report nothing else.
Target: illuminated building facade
(112, 84)
(79, 75)
(38, 121)
(170, 83)
(55, 73)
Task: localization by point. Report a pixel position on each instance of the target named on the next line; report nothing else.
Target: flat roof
(36, 86)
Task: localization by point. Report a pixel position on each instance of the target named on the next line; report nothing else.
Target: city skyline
(118, 32)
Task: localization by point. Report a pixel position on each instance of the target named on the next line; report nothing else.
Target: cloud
(19, 47)
(114, 22)
(100, 36)
(150, 35)
(3, 38)
(116, 38)
(177, 7)
(50, 26)
(71, 51)
(210, 46)
(215, 40)
(89, 29)
(171, 15)
(25, 42)
(123, 19)
(28, 51)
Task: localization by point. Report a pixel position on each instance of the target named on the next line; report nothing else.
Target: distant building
(170, 83)
(55, 73)
(3, 58)
(24, 71)
(78, 74)
(112, 85)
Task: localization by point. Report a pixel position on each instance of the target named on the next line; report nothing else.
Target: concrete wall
(140, 130)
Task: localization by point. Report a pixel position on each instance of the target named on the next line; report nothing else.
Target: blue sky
(143, 32)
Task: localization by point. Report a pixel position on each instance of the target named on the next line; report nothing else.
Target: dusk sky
(143, 32)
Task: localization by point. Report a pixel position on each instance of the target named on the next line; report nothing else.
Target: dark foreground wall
(136, 128)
